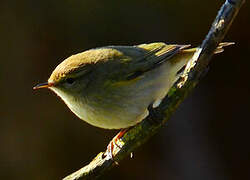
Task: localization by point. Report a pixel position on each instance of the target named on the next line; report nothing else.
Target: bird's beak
(43, 85)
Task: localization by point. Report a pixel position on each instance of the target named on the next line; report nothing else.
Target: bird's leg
(113, 143)
(119, 136)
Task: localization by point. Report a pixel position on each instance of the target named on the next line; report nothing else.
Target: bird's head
(70, 76)
(75, 73)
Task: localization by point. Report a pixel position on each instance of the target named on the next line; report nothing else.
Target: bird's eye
(70, 80)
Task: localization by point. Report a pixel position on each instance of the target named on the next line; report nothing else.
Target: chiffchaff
(112, 87)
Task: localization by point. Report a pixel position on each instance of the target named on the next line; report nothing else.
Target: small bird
(112, 87)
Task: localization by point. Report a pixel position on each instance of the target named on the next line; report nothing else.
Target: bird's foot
(115, 145)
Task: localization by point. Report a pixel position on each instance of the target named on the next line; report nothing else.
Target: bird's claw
(114, 145)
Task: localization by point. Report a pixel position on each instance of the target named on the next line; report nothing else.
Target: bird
(112, 87)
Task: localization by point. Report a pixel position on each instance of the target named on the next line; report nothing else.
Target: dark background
(40, 139)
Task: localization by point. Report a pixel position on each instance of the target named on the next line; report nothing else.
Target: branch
(158, 117)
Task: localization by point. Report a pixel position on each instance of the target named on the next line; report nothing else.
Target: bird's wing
(154, 55)
(134, 61)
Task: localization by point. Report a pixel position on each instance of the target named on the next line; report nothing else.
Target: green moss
(172, 91)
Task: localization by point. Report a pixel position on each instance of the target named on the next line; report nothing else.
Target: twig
(158, 117)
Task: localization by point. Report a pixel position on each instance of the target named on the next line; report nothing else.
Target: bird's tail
(181, 59)
(220, 47)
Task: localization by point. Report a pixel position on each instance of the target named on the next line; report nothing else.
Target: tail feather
(186, 54)
(220, 49)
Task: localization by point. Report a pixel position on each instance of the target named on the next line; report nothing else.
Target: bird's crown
(78, 62)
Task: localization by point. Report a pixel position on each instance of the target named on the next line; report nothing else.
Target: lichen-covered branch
(158, 117)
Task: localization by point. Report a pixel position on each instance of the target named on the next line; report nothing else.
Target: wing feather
(155, 54)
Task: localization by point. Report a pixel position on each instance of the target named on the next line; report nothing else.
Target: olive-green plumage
(112, 87)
